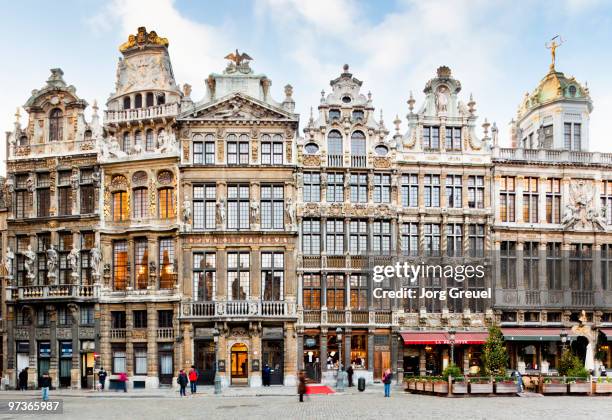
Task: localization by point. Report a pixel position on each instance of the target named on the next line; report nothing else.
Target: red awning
(441, 337)
(534, 334)
(607, 332)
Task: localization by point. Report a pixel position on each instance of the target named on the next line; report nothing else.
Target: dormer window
(23, 141)
(453, 138)
(127, 102)
(358, 115)
(346, 99)
(55, 125)
(138, 101)
(334, 114)
(87, 135)
(431, 138)
(572, 90)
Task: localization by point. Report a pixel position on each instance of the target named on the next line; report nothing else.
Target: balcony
(360, 317)
(312, 317)
(57, 291)
(335, 161)
(118, 333)
(552, 156)
(311, 262)
(148, 113)
(335, 317)
(356, 317)
(238, 309)
(165, 333)
(358, 161)
(582, 298)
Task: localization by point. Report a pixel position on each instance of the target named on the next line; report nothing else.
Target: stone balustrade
(54, 291)
(150, 112)
(238, 309)
(551, 156)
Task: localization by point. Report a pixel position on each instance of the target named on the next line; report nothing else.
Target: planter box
(440, 387)
(428, 386)
(412, 385)
(460, 388)
(580, 388)
(506, 388)
(420, 386)
(486, 388)
(603, 388)
(554, 388)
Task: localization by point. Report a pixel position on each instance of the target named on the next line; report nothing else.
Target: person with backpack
(182, 380)
(193, 379)
(387, 377)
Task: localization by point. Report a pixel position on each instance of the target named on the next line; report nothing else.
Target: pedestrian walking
(193, 379)
(182, 380)
(23, 379)
(350, 372)
(102, 378)
(301, 385)
(123, 379)
(45, 384)
(265, 375)
(387, 377)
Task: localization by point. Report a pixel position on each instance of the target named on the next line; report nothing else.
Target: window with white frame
(453, 138)
(335, 237)
(238, 207)
(272, 207)
(335, 187)
(432, 239)
(410, 190)
(311, 237)
(476, 192)
(359, 188)
(204, 149)
(272, 275)
(358, 237)
(382, 188)
(410, 239)
(454, 240)
(237, 149)
(204, 206)
(238, 275)
(271, 149)
(432, 190)
(431, 138)
(312, 187)
(381, 237)
(453, 191)
(204, 276)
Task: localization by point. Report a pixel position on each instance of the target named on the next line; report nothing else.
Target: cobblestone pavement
(346, 406)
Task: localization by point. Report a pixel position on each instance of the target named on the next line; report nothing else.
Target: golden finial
(552, 46)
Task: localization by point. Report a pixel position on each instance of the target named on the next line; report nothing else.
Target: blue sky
(495, 48)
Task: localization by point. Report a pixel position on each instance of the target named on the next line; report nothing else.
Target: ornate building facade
(209, 233)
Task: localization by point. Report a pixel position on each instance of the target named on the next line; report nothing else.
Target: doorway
(205, 362)
(87, 370)
(166, 368)
(273, 354)
(240, 364)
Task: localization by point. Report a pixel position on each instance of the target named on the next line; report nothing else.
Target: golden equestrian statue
(238, 58)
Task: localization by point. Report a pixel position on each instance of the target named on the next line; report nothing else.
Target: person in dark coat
(350, 372)
(182, 380)
(265, 375)
(23, 379)
(301, 385)
(102, 378)
(45, 384)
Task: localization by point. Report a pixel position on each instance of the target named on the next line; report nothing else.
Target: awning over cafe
(442, 337)
(534, 334)
(607, 332)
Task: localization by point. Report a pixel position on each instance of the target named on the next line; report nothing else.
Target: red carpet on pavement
(319, 389)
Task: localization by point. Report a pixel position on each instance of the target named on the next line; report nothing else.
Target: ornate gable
(237, 107)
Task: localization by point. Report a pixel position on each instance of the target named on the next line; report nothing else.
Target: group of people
(44, 383)
(386, 379)
(185, 379)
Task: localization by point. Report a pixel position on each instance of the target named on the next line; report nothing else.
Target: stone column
(596, 273)
(152, 362)
(54, 362)
(300, 351)
(422, 362)
(75, 375)
(371, 350)
(293, 361)
(346, 347)
(255, 354)
(129, 349)
(221, 278)
(323, 349)
(255, 274)
(518, 186)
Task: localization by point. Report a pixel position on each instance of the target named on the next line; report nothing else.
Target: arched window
(87, 135)
(161, 98)
(55, 125)
(120, 205)
(138, 101)
(150, 99)
(125, 145)
(127, 102)
(23, 141)
(140, 203)
(358, 144)
(334, 148)
(150, 141)
(166, 203)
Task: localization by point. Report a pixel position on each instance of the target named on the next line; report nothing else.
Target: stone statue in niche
(8, 263)
(254, 211)
(221, 211)
(52, 258)
(186, 211)
(96, 258)
(30, 262)
(73, 260)
(110, 148)
(442, 99)
(290, 208)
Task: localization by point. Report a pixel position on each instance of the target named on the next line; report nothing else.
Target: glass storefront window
(359, 351)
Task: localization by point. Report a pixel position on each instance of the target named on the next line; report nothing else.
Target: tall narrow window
(530, 265)
(204, 206)
(381, 237)
(507, 199)
(141, 263)
(410, 239)
(431, 138)
(553, 265)
(138, 138)
(166, 203)
(127, 102)
(149, 99)
(335, 237)
(311, 237)
(454, 240)
(358, 237)
(238, 207)
(311, 292)
(335, 292)
(571, 136)
(272, 207)
(237, 149)
(382, 188)
(120, 206)
(476, 237)
(432, 190)
(453, 191)
(606, 266)
(238, 275)
(204, 149)
(87, 191)
(334, 149)
(120, 265)
(204, 276)
(43, 243)
(476, 192)
(271, 149)
(138, 101)
(581, 266)
(22, 246)
(508, 264)
(530, 200)
(335, 187)
(410, 190)
(64, 193)
(87, 243)
(55, 125)
(359, 188)
(453, 138)
(312, 187)
(359, 291)
(553, 200)
(149, 141)
(606, 200)
(43, 195)
(272, 275)
(166, 263)
(432, 239)
(65, 246)
(21, 195)
(358, 149)
(126, 144)
(141, 202)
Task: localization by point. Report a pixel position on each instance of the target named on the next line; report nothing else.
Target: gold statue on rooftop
(143, 38)
(552, 46)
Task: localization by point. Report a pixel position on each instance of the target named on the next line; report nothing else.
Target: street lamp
(451, 340)
(339, 340)
(217, 377)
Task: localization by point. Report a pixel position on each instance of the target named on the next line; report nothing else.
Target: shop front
(273, 353)
(205, 361)
(312, 356)
(88, 361)
(65, 363)
(166, 363)
(534, 351)
(604, 349)
(429, 352)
